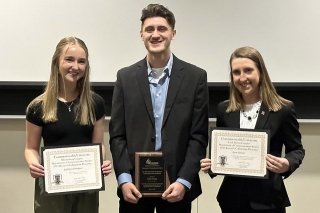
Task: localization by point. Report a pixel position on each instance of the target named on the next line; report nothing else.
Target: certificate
(151, 178)
(239, 152)
(71, 169)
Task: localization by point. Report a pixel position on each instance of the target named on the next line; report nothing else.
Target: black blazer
(185, 121)
(263, 194)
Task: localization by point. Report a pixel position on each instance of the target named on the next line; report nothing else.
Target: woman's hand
(277, 164)
(106, 167)
(205, 165)
(36, 170)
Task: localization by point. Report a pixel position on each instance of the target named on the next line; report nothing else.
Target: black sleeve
(34, 114)
(294, 151)
(99, 106)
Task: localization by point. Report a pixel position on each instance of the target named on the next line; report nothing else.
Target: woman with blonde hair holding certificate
(66, 113)
(254, 104)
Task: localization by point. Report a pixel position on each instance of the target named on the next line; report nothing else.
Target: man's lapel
(142, 77)
(176, 79)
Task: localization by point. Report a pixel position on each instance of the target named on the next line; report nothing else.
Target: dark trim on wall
(15, 96)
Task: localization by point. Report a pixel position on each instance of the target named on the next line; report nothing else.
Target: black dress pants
(148, 205)
(247, 209)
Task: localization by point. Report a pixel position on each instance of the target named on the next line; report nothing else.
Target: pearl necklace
(249, 117)
(253, 112)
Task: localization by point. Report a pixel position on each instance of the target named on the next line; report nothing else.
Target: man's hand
(130, 193)
(174, 193)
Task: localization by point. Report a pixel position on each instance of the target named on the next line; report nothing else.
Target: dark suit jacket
(185, 121)
(264, 193)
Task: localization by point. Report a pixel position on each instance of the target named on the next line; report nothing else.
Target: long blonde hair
(268, 93)
(84, 110)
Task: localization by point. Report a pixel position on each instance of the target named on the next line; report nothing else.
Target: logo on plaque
(149, 162)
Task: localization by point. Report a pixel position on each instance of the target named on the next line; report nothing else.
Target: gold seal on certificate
(239, 152)
(71, 169)
(151, 178)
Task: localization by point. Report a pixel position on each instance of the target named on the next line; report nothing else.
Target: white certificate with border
(239, 152)
(72, 169)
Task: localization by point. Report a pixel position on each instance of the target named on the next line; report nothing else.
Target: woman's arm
(98, 138)
(31, 152)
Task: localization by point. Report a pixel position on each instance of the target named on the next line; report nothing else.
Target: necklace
(69, 106)
(250, 117)
(253, 112)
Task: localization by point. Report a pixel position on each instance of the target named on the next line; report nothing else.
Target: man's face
(157, 34)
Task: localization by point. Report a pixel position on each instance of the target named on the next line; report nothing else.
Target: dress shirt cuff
(187, 184)
(124, 178)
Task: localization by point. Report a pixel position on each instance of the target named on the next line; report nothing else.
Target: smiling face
(157, 34)
(72, 63)
(246, 78)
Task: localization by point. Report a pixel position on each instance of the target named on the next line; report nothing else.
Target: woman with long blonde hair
(66, 113)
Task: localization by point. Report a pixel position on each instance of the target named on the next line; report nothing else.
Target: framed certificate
(151, 177)
(71, 169)
(239, 152)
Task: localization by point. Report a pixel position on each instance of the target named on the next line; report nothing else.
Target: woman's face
(246, 78)
(72, 63)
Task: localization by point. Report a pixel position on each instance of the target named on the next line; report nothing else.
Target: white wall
(17, 186)
(286, 32)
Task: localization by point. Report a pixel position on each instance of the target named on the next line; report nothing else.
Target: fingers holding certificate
(239, 152)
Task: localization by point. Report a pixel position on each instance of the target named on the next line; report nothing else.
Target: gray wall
(286, 32)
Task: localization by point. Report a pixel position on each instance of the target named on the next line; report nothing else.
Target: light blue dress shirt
(158, 91)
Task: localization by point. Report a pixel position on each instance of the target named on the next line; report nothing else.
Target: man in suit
(159, 104)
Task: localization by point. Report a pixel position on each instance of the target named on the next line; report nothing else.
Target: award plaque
(151, 178)
(239, 152)
(71, 169)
